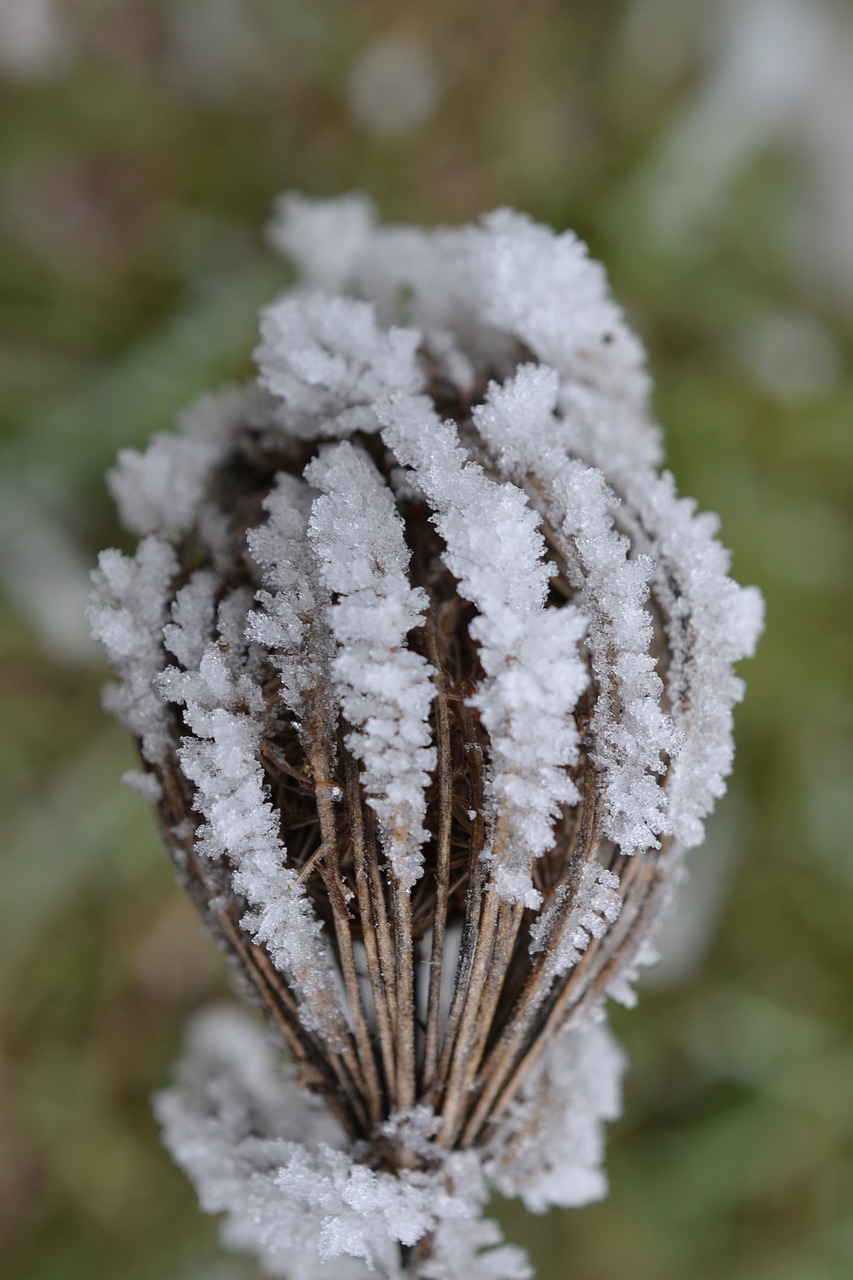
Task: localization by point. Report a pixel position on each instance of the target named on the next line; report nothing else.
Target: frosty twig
(430, 672)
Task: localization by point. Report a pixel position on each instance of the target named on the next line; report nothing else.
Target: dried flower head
(431, 673)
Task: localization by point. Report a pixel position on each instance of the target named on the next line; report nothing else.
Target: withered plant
(431, 673)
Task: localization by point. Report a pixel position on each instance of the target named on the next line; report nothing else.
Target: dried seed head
(431, 673)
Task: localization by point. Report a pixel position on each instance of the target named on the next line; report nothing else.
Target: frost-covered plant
(431, 673)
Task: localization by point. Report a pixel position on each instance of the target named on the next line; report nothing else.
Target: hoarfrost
(385, 690)
(584, 629)
(328, 361)
(560, 1116)
(711, 624)
(160, 491)
(292, 598)
(564, 929)
(632, 733)
(529, 653)
(295, 1195)
(324, 238)
(129, 606)
(219, 756)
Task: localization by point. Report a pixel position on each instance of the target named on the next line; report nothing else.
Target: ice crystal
(431, 673)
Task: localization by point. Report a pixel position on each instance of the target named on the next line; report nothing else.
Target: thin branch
(319, 759)
(404, 952)
(369, 929)
(454, 1097)
(650, 881)
(475, 875)
(535, 990)
(442, 869)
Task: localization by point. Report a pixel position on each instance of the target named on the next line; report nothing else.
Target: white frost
(561, 1114)
(161, 490)
(129, 606)
(529, 652)
(328, 361)
(295, 1194)
(385, 689)
(632, 733)
(219, 756)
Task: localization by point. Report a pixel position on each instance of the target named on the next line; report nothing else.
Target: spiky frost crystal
(431, 674)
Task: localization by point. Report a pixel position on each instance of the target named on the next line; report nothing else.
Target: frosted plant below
(431, 674)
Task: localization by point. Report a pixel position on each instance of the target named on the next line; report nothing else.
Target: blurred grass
(136, 181)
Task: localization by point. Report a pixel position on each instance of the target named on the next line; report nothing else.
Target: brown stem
(404, 948)
(369, 931)
(570, 999)
(540, 979)
(454, 1096)
(442, 870)
(471, 926)
(369, 1076)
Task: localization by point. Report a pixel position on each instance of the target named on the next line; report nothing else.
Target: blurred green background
(704, 150)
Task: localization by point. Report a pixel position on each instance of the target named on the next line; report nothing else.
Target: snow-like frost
(161, 490)
(129, 606)
(328, 361)
(711, 624)
(560, 1115)
(529, 652)
(632, 733)
(292, 600)
(564, 929)
(324, 238)
(546, 290)
(295, 1195)
(287, 619)
(385, 690)
(219, 756)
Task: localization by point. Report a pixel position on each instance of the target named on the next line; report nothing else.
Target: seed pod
(431, 673)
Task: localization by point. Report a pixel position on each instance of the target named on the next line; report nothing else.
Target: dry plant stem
(442, 870)
(317, 1068)
(474, 760)
(404, 947)
(368, 1076)
(380, 910)
(509, 923)
(454, 1097)
(368, 923)
(520, 1020)
(651, 880)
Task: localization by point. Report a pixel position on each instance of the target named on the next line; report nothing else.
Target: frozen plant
(431, 674)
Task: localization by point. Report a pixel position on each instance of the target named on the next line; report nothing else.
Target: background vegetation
(702, 149)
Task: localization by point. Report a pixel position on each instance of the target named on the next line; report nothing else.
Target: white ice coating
(529, 652)
(325, 237)
(564, 929)
(552, 436)
(632, 733)
(507, 282)
(385, 690)
(220, 757)
(560, 1115)
(328, 361)
(713, 623)
(292, 599)
(546, 290)
(294, 1195)
(130, 603)
(193, 621)
(160, 491)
